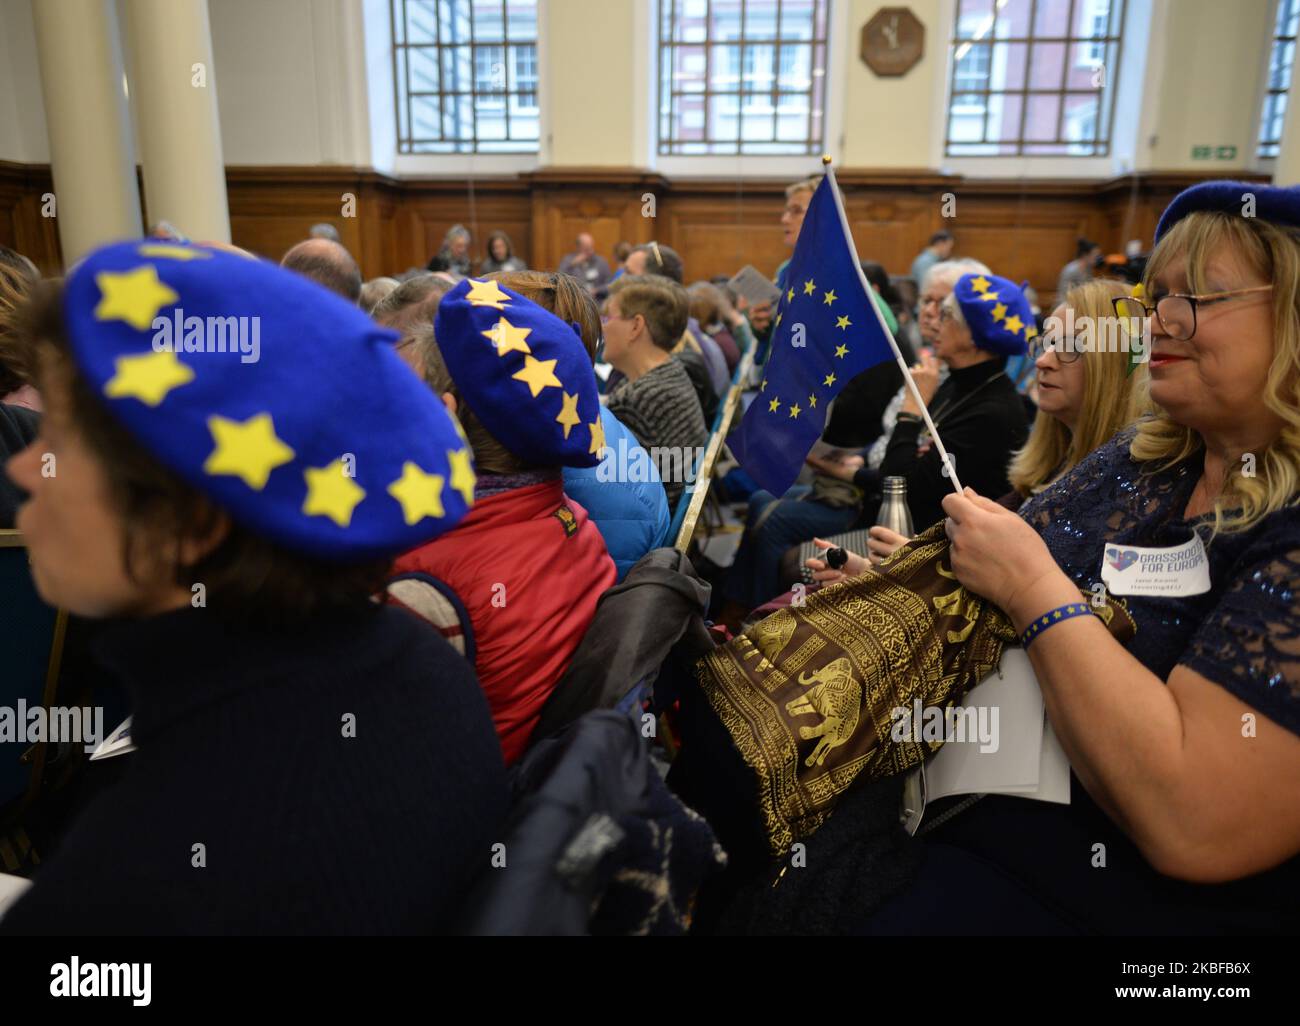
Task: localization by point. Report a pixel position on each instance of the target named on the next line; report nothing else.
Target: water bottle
(894, 513)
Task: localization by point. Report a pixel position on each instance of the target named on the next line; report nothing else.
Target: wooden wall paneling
(21, 225)
(719, 227)
(1022, 229)
(606, 203)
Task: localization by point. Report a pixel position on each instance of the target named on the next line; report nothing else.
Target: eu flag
(827, 331)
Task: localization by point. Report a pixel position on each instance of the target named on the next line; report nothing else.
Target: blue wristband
(1053, 616)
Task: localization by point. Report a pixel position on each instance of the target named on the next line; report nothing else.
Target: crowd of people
(406, 514)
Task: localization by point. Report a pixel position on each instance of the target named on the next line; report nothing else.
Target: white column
(96, 196)
(174, 92)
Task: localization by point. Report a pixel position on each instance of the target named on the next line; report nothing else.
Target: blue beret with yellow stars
(283, 404)
(997, 313)
(524, 372)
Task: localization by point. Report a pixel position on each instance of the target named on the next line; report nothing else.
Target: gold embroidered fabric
(808, 694)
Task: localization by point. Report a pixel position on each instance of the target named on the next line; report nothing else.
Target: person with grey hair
(454, 254)
(374, 290)
(328, 264)
(324, 230)
(409, 306)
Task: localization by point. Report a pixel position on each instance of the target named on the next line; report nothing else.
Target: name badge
(1135, 570)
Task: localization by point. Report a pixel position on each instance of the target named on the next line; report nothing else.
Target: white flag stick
(884, 326)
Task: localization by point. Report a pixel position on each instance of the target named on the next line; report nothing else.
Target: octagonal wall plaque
(892, 41)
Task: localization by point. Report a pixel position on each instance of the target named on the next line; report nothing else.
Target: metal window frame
(461, 139)
(670, 141)
(1098, 144)
(1266, 146)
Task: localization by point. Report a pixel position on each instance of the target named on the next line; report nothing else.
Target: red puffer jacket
(515, 587)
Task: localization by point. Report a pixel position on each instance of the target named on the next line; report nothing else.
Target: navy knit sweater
(242, 749)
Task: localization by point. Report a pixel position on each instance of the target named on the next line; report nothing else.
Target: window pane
(974, 19)
(1010, 61)
(1052, 18)
(1004, 117)
(1041, 116)
(489, 21)
(1046, 66)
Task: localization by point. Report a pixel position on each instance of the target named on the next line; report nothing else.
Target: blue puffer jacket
(632, 515)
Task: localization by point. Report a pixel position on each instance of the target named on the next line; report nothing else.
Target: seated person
(1185, 743)
(707, 306)
(1086, 396)
(234, 525)
(515, 585)
(622, 494)
(644, 319)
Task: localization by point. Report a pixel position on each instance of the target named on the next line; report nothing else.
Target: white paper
(117, 743)
(754, 286)
(1140, 570)
(11, 889)
(960, 767)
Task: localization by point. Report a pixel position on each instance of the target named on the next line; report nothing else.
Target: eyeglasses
(1176, 311)
(1065, 349)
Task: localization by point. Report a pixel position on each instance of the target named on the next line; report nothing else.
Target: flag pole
(898, 355)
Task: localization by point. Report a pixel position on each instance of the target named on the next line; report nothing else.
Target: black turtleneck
(243, 748)
(981, 421)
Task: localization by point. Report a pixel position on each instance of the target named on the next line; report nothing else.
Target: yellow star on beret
(795, 411)
(132, 296)
(1014, 324)
(980, 284)
(419, 493)
(537, 375)
(812, 402)
(147, 377)
(331, 493)
(597, 436)
(248, 449)
(830, 380)
(462, 474)
(164, 251)
(843, 323)
(841, 351)
(999, 311)
(809, 287)
(774, 405)
(507, 338)
(568, 416)
(829, 297)
(486, 293)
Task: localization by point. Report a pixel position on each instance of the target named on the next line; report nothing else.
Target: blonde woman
(1184, 741)
(1085, 390)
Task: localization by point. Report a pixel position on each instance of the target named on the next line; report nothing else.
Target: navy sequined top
(1243, 634)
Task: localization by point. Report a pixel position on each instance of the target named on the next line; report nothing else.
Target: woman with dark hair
(500, 255)
(307, 760)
